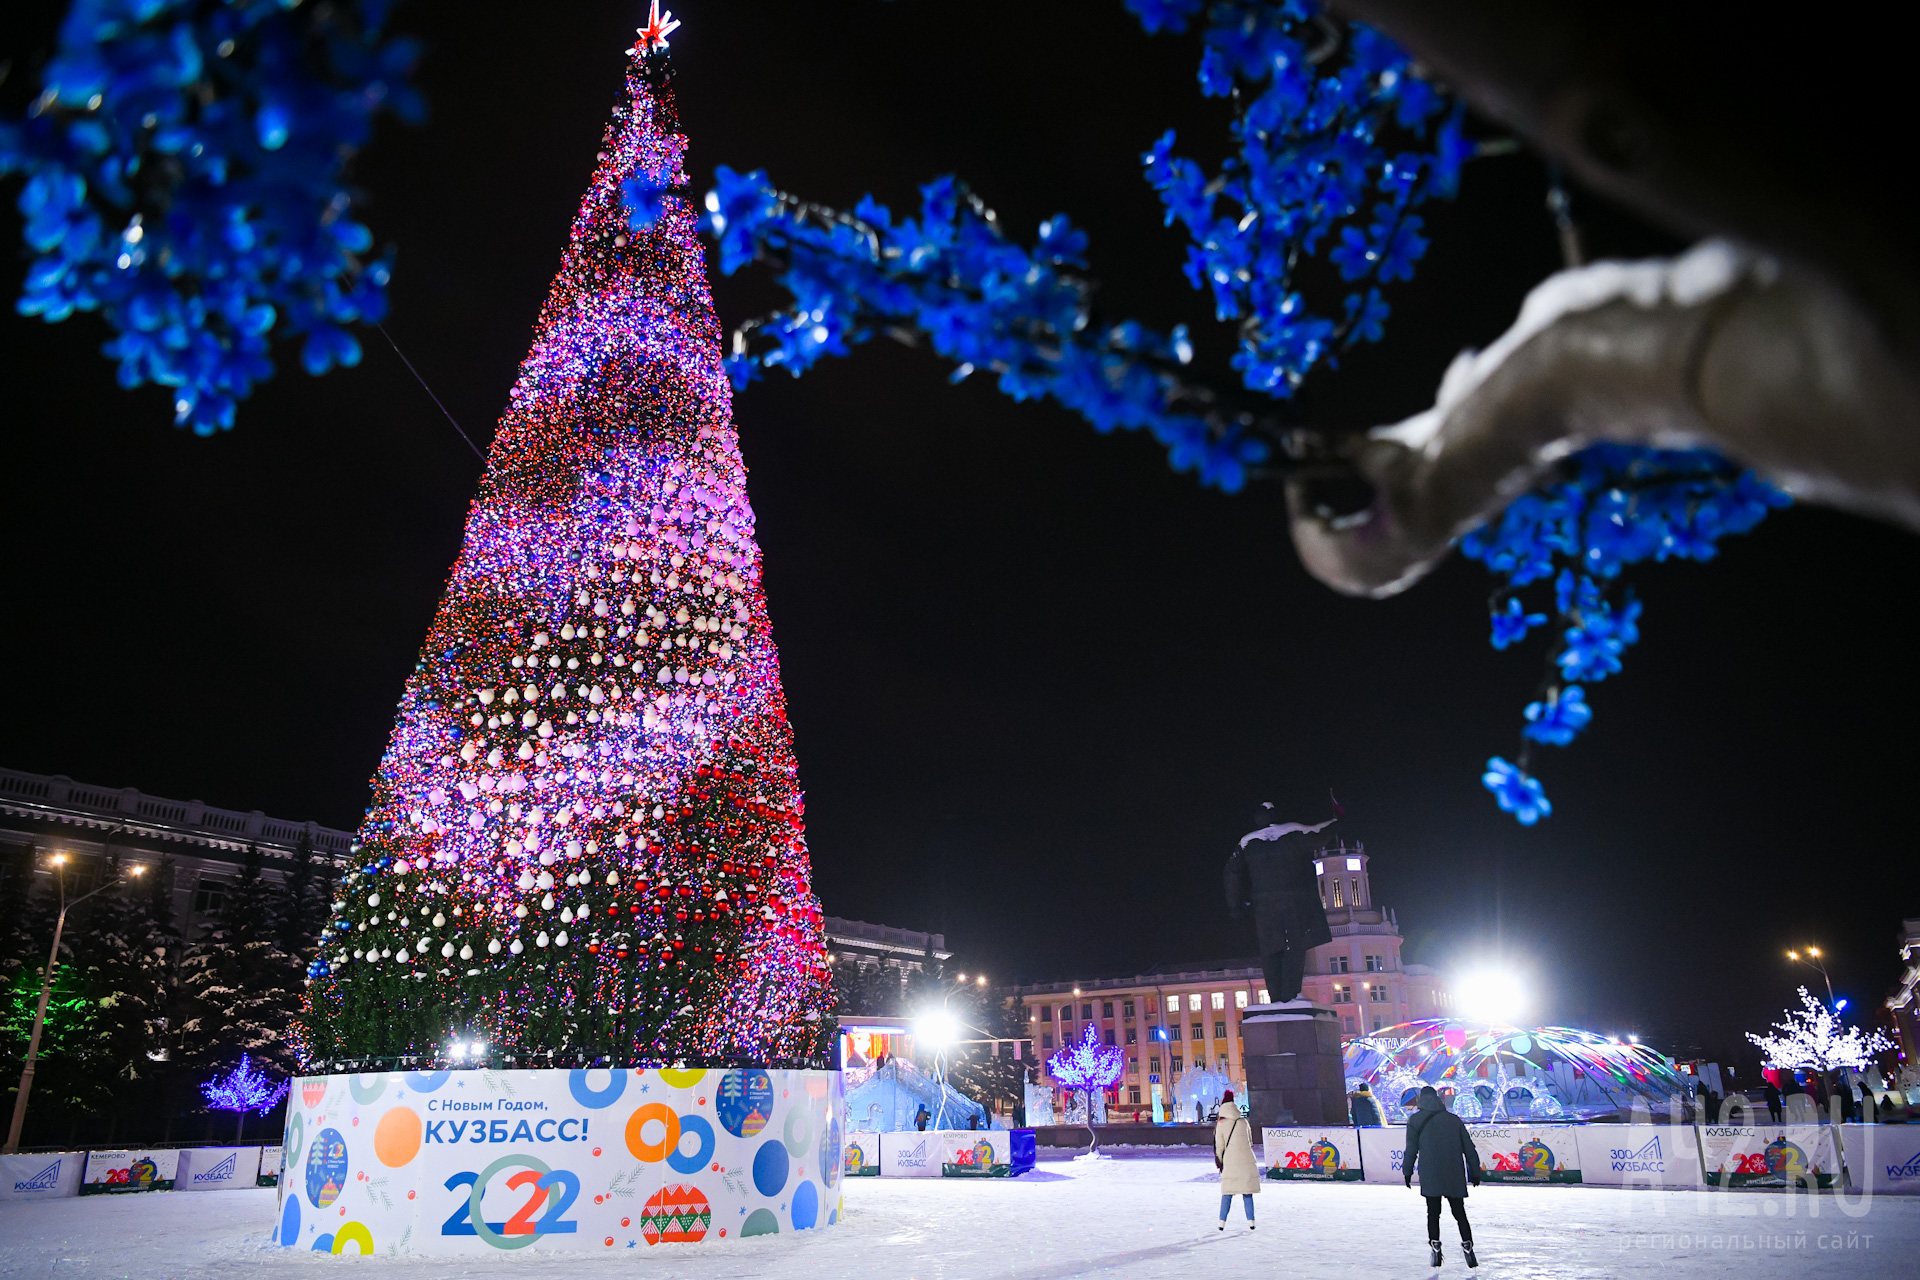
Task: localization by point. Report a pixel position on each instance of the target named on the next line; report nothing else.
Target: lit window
(1319, 867)
(1338, 901)
(1376, 964)
(1240, 999)
(1343, 994)
(1323, 894)
(1219, 999)
(1353, 892)
(1133, 1036)
(1263, 996)
(1353, 864)
(1193, 1001)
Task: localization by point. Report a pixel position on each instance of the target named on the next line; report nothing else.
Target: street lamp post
(46, 991)
(1811, 958)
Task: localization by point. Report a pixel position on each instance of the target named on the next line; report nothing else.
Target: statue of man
(1273, 877)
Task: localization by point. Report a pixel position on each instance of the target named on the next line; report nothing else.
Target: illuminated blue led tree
(1090, 1067)
(242, 1090)
(184, 172)
(1338, 141)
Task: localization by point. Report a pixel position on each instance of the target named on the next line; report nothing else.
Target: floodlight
(1490, 995)
(935, 1030)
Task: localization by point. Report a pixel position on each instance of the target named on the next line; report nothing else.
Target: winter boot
(1434, 1245)
(1466, 1247)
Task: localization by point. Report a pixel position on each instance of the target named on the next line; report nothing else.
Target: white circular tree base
(477, 1162)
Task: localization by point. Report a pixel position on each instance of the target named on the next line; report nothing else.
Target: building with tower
(1360, 974)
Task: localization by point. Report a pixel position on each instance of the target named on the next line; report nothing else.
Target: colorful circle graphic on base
(295, 1141)
(637, 1143)
(326, 1168)
(770, 1168)
(797, 1133)
(396, 1139)
(353, 1233)
(677, 1215)
(366, 1092)
(806, 1206)
(596, 1098)
(760, 1222)
(485, 1230)
(290, 1223)
(313, 1090)
(323, 1243)
(745, 1102)
(427, 1081)
(830, 1155)
(683, 1162)
(683, 1077)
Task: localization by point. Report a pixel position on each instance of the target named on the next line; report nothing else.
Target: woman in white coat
(1233, 1154)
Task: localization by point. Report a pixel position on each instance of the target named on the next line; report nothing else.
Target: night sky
(1038, 681)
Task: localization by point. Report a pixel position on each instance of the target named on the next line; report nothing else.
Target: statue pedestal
(1295, 1070)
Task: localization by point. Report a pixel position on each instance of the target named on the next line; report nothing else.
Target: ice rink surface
(1142, 1215)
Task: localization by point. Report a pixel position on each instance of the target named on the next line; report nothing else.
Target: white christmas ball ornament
(560, 939)
(446, 951)
(493, 946)
(541, 939)
(516, 948)
(373, 899)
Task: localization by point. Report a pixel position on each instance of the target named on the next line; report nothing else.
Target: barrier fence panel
(1882, 1158)
(1640, 1155)
(863, 1154)
(1528, 1153)
(219, 1168)
(269, 1175)
(910, 1155)
(41, 1177)
(975, 1153)
(1311, 1155)
(1776, 1155)
(117, 1171)
(1381, 1151)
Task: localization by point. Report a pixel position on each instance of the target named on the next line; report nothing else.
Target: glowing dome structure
(1490, 1072)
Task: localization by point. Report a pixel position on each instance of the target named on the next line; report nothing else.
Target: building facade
(204, 845)
(881, 946)
(1903, 1010)
(1176, 1020)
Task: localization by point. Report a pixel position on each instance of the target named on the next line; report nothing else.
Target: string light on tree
(1089, 1066)
(1813, 1039)
(586, 836)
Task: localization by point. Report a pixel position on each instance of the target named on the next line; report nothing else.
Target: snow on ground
(1145, 1215)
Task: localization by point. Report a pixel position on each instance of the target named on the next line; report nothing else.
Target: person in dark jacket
(1366, 1112)
(921, 1117)
(1438, 1145)
(1773, 1101)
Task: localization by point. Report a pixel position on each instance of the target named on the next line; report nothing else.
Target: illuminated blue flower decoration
(184, 168)
(1518, 793)
(1558, 718)
(1512, 623)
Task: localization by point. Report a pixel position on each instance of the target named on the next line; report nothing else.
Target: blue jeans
(1226, 1203)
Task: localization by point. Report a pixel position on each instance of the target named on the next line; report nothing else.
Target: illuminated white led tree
(1813, 1039)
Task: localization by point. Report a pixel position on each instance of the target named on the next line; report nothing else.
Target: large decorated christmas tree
(585, 839)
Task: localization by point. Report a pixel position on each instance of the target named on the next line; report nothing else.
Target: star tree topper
(653, 36)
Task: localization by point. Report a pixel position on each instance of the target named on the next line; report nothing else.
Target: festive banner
(130, 1171)
(1639, 1155)
(1312, 1155)
(219, 1168)
(1882, 1158)
(1381, 1151)
(863, 1154)
(910, 1154)
(41, 1177)
(1768, 1155)
(269, 1175)
(975, 1153)
(469, 1162)
(1528, 1153)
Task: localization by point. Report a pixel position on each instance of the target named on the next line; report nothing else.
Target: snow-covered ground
(1142, 1215)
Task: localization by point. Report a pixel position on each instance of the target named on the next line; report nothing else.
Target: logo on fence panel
(1648, 1159)
(48, 1179)
(222, 1172)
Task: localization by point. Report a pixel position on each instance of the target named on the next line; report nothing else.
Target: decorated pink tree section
(585, 838)
(1089, 1066)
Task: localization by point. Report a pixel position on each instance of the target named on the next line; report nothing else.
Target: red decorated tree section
(585, 839)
